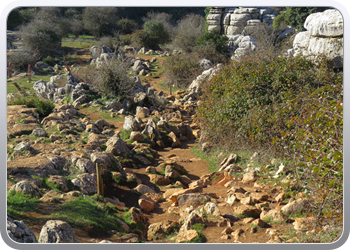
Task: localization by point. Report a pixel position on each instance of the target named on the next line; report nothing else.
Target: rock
(295, 205)
(120, 205)
(40, 132)
(60, 181)
(155, 197)
(115, 105)
(324, 35)
(175, 196)
(137, 136)
(26, 187)
(325, 24)
(248, 211)
(142, 189)
(86, 165)
(247, 201)
(116, 145)
(250, 177)
(87, 182)
(274, 214)
(105, 160)
(186, 236)
(156, 230)
(142, 159)
(159, 179)
(258, 197)
(176, 143)
(200, 183)
(146, 204)
(142, 110)
(19, 232)
(170, 172)
(56, 231)
(100, 124)
(132, 123)
(212, 209)
(22, 146)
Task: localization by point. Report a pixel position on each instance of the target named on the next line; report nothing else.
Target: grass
(24, 84)
(211, 158)
(199, 227)
(81, 42)
(19, 204)
(104, 114)
(88, 213)
(173, 89)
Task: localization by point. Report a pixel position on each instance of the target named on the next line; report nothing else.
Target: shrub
(164, 18)
(155, 34)
(182, 69)
(290, 105)
(49, 60)
(188, 30)
(295, 16)
(127, 26)
(213, 38)
(112, 80)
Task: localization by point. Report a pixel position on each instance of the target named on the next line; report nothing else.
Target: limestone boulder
(56, 231)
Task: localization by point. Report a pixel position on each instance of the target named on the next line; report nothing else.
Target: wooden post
(170, 89)
(80, 61)
(67, 67)
(29, 72)
(9, 70)
(99, 180)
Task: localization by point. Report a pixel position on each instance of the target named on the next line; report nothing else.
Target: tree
(189, 29)
(100, 21)
(156, 34)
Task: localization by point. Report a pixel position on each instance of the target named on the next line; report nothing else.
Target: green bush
(295, 16)
(213, 38)
(50, 60)
(44, 107)
(291, 107)
(156, 34)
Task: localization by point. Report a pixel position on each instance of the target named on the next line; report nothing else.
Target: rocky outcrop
(237, 20)
(323, 37)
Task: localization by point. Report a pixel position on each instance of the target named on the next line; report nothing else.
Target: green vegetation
(287, 107)
(213, 38)
(44, 107)
(89, 213)
(295, 17)
(19, 204)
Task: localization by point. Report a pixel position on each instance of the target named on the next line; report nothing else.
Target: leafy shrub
(112, 80)
(49, 60)
(156, 34)
(164, 18)
(213, 38)
(44, 107)
(291, 105)
(182, 69)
